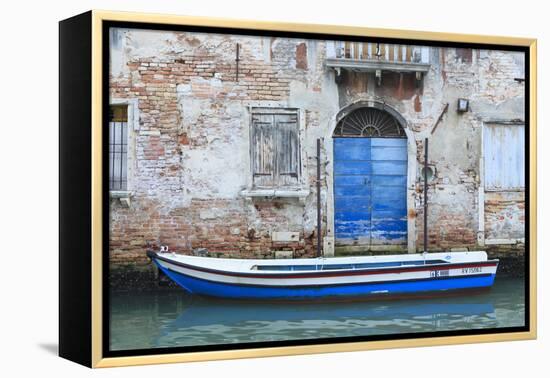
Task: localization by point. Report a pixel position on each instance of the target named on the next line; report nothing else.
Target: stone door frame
(328, 248)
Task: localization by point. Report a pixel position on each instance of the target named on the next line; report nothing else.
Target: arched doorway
(370, 170)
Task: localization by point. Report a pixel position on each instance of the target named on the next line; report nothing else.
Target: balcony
(377, 57)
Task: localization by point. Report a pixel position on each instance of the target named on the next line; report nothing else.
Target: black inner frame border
(106, 352)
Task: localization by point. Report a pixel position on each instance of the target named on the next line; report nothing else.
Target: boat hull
(400, 287)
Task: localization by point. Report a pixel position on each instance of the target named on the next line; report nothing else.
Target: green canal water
(170, 318)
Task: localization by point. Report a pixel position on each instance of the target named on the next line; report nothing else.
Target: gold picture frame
(93, 265)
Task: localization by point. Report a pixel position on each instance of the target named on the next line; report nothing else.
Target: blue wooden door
(370, 202)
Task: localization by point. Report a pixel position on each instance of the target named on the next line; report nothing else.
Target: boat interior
(386, 264)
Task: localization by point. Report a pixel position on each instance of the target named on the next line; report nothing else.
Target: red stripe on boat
(356, 272)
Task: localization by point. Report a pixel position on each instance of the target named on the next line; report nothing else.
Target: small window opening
(118, 147)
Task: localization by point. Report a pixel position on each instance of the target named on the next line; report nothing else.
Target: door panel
(387, 167)
(393, 153)
(344, 203)
(352, 194)
(389, 180)
(353, 167)
(355, 149)
(370, 179)
(353, 190)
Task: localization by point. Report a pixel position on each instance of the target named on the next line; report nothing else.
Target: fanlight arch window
(369, 122)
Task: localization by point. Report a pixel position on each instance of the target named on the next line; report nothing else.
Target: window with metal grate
(118, 147)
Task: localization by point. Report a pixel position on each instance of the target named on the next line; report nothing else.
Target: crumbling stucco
(191, 160)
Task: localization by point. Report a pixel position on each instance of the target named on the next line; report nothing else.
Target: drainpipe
(425, 195)
(318, 197)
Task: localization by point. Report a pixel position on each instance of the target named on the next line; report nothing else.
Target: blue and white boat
(339, 277)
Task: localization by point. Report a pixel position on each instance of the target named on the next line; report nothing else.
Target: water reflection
(173, 318)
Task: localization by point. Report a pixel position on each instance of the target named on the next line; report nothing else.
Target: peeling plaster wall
(505, 215)
(192, 158)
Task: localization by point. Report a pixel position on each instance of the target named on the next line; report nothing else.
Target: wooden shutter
(275, 148)
(263, 150)
(288, 151)
(504, 155)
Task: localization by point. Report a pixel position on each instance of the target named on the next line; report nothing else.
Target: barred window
(275, 149)
(118, 147)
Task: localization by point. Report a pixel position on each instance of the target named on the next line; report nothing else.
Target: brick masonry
(189, 150)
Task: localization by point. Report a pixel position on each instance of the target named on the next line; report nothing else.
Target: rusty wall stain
(397, 85)
(464, 55)
(301, 56)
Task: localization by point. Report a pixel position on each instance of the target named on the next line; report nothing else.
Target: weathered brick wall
(190, 156)
(505, 215)
(487, 80)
